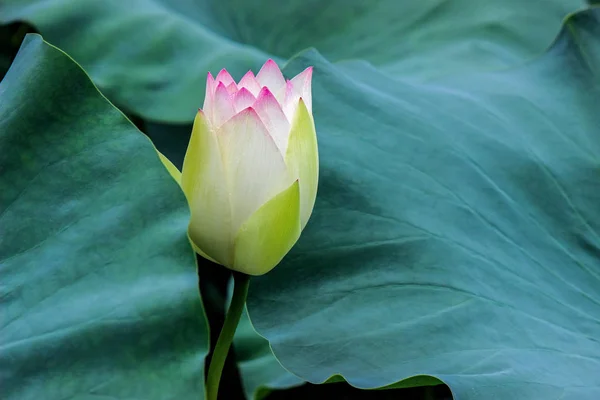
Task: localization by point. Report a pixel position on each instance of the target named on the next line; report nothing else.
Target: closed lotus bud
(250, 172)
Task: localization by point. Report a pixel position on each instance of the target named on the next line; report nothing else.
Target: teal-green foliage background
(455, 238)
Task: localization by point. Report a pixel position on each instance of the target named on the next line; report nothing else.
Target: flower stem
(240, 292)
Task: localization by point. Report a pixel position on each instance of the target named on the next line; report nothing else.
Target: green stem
(240, 292)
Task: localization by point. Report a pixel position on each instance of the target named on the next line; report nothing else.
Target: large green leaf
(151, 56)
(456, 231)
(99, 286)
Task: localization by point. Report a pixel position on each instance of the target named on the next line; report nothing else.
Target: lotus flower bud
(251, 169)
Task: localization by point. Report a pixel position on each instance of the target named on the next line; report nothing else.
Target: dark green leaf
(99, 286)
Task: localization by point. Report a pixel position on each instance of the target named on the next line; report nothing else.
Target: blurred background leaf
(150, 57)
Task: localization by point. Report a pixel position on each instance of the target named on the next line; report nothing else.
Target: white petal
(249, 82)
(290, 101)
(243, 99)
(222, 106)
(299, 86)
(302, 87)
(270, 76)
(254, 167)
(272, 116)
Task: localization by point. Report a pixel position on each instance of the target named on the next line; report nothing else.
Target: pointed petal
(269, 234)
(209, 95)
(223, 76)
(272, 116)
(302, 159)
(243, 99)
(249, 82)
(299, 86)
(222, 106)
(270, 76)
(254, 167)
(202, 181)
(172, 169)
(302, 86)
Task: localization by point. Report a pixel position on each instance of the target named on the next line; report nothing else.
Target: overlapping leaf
(260, 371)
(99, 286)
(456, 231)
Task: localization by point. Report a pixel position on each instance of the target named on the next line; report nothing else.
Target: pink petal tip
(271, 63)
(221, 86)
(264, 92)
(247, 75)
(225, 77)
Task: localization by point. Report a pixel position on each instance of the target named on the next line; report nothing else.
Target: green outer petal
(266, 237)
(175, 173)
(302, 159)
(203, 181)
(199, 250)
